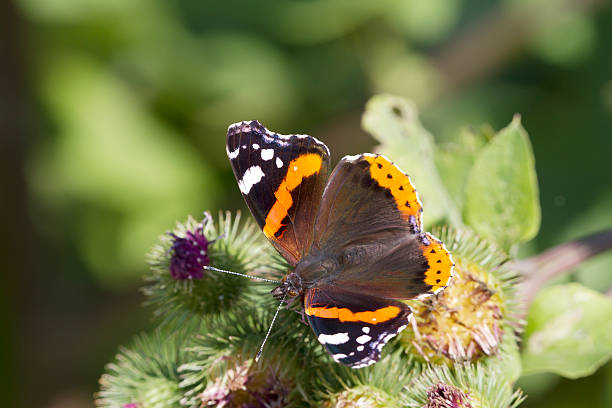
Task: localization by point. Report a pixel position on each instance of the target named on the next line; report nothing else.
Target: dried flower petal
(462, 324)
(245, 386)
(446, 396)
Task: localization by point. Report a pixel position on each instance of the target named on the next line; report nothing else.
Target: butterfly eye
(292, 293)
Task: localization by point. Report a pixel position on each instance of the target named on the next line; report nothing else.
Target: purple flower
(131, 405)
(189, 254)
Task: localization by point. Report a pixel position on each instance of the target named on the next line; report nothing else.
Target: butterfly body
(353, 237)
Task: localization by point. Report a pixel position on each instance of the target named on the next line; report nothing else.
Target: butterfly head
(291, 286)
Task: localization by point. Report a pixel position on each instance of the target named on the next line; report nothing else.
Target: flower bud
(189, 254)
(245, 384)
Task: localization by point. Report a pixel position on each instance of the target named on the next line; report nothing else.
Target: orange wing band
(299, 168)
(441, 264)
(345, 315)
(388, 175)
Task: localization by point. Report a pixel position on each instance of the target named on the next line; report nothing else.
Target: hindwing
(354, 328)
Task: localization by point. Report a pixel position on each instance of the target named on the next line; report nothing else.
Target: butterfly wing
(401, 268)
(352, 327)
(281, 179)
(370, 218)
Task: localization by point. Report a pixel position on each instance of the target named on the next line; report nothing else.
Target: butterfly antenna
(213, 269)
(258, 356)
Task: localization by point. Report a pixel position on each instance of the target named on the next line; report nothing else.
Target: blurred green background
(113, 125)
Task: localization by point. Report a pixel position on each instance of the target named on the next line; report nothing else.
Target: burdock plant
(465, 347)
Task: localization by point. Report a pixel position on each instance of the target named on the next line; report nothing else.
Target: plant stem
(539, 269)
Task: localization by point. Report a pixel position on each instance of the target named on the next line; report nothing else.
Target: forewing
(354, 328)
(281, 179)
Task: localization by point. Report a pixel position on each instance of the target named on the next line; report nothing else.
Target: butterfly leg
(302, 314)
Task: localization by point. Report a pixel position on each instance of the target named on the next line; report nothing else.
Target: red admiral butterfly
(354, 238)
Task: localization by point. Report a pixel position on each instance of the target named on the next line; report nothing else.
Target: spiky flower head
(180, 290)
(469, 318)
(144, 375)
(376, 386)
(463, 386)
(244, 384)
(189, 254)
(361, 397)
(221, 359)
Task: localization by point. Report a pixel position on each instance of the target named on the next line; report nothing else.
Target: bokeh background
(113, 116)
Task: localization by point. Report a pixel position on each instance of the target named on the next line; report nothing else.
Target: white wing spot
(255, 146)
(363, 363)
(366, 330)
(279, 162)
(267, 154)
(294, 168)
(339, 356)
(338, 338)
(244, 146)
(251, 176)
(351, 158)
(360, 348)
(363, 339)
(234, 154)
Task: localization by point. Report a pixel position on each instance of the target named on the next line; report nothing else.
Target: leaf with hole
(394, 123)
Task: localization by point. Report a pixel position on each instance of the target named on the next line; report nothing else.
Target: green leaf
(501, 194)
(394, 122)
(455, 160)
(569, 331)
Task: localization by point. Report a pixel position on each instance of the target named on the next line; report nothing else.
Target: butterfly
(353, 238)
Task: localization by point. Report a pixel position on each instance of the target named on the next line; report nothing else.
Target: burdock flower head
(362, 397)
(189, 254)
(463, 386)
(179, 286)
(246, 385)
(144, 374)
(377, 386)
(469, 319)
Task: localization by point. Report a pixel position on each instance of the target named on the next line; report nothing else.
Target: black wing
(282, 180)
(354, 328)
